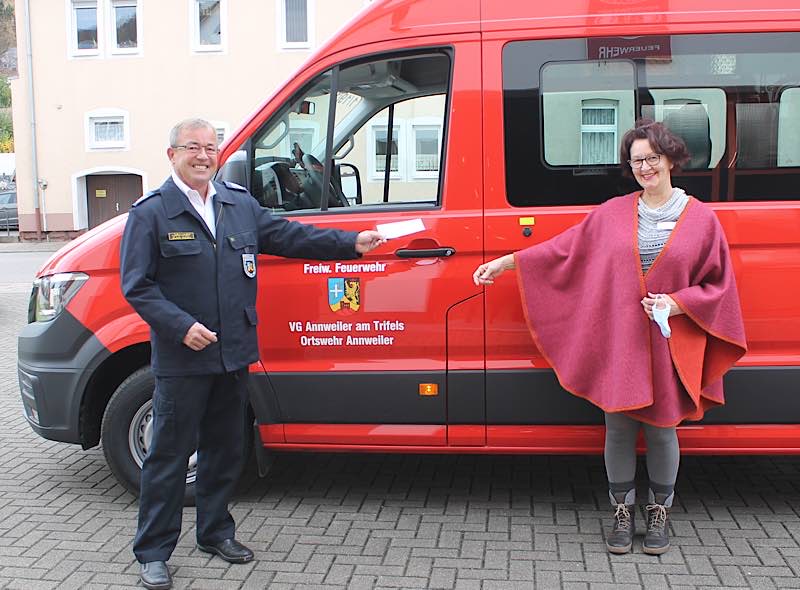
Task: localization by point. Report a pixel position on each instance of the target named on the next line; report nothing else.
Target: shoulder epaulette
(234, 186)
(143, 198)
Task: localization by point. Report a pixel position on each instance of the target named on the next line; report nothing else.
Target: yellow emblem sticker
(180, 235)
(527, 221)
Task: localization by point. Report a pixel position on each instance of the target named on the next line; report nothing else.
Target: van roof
(398, 19)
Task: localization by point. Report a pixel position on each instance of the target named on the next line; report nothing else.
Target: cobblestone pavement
(385, 521)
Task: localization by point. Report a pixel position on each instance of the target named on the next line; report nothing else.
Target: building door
(108, 195)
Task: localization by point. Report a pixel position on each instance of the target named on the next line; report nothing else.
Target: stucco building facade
(110, 77)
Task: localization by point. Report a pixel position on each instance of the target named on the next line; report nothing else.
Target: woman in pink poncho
(636, 310)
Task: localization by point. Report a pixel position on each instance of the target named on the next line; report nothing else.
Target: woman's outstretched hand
(487, 272)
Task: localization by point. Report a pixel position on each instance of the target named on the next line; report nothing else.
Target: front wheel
(127, 431)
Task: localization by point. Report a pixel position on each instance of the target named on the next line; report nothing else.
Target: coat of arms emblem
(344, 295)
(249, 265)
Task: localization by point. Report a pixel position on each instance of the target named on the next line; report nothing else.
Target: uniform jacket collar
(175, 202)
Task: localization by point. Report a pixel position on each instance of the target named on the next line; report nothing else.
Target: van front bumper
(55, 361)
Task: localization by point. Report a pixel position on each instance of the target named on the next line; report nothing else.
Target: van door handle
(443, 252)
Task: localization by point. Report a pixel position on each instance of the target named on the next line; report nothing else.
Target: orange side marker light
(429, 389)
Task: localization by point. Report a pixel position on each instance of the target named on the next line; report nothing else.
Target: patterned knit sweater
(652, 237)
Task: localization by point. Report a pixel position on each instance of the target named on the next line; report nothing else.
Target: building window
(295, 23)
(599, 132)
(124, 29)
(104, 27)
(107, 129)
(304, 137)
(427, 147)
(85, 39)
(379, 147)
(208, 23)
(222, 130)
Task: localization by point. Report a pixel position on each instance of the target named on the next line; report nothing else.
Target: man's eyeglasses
(652, 160)
(194, 148)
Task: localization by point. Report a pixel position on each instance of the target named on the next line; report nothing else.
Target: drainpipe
(32, 111)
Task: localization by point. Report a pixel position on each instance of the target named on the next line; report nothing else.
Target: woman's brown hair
(661, 139)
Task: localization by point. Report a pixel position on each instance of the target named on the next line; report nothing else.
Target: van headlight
(52, 293)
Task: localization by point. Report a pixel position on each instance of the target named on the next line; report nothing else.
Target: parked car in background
(9, 218)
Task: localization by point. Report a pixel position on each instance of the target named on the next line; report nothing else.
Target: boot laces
(622, 516)
(657, 516)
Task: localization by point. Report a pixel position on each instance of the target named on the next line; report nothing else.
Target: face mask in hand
(661, 315)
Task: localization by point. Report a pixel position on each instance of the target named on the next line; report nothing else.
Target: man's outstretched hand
(368, 240)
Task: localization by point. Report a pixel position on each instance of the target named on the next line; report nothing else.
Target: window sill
(107, 148)
(295, 47)
(208, 49)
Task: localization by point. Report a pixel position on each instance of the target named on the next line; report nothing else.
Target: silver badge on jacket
(249, 265)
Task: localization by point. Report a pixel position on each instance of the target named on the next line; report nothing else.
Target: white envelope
(399, 229)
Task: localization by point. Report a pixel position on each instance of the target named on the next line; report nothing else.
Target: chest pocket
(245, 241)
(172, 248)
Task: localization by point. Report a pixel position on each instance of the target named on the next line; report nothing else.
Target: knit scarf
(652, 239)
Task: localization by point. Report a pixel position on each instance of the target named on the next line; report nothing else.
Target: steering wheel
(315, 171)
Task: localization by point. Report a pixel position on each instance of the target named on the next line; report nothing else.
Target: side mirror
(350, 183)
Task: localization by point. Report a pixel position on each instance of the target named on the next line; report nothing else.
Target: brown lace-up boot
(656, 540)
(620, 538)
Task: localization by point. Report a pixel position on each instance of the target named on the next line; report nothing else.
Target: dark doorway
(108, 195)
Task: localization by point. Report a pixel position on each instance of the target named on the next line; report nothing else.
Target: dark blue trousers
(205, 412)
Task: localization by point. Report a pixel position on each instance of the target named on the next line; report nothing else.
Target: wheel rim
(140, 436)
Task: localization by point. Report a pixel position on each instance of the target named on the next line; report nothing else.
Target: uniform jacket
(582, 293)
(175, 273)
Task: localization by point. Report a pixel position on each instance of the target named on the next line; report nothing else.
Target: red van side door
(388, 349)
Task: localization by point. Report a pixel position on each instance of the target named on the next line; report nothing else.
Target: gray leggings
(663, 454)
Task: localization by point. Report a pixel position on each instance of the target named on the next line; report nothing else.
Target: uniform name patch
(180, 235)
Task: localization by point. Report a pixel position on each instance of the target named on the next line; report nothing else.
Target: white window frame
(280, 11)
(106, 28)
(426, 124)
(112, 27)
(108, 114)
(194, 27)
(604, 105)
(372, 157)
(72, 27)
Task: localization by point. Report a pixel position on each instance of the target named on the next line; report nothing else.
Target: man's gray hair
(194, 123)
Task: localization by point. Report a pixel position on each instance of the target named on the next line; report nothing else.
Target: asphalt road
(387, 521)
(18, 269)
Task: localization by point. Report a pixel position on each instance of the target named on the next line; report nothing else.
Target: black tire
(125, 434)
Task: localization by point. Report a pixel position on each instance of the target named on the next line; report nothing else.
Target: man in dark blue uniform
(188, 267)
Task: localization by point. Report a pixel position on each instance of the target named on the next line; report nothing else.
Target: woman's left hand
(650, 300)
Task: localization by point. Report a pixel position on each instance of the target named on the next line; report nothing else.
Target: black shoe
(620, 539)
(656, 540)
(230, 550)
(155, 576)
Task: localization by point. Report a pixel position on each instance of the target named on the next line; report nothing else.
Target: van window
(288, 166)
(734, 99)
